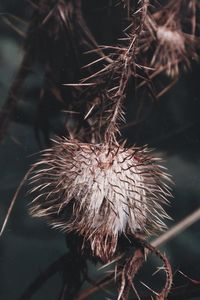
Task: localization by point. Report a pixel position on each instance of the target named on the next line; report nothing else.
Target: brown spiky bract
(101, 192)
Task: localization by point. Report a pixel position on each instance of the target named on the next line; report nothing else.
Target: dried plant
(105, 191)
(109, 83)
(101, 192)
(106, 196)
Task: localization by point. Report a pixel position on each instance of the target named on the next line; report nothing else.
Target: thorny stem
(129, 271)
(168, 271)
(128, 64)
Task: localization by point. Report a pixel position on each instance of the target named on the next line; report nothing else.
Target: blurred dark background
(170, 125)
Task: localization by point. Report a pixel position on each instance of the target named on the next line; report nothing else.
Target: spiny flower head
(171, 34)
(175, 38)
(173, 48)
(100, 191)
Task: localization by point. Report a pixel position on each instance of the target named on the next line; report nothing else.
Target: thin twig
(14, 200)
(167, 88)
(129, 271)
(13, 27)
(177, 229)
(168, 271)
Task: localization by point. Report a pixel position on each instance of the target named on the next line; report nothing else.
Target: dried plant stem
(119, 96)
(168, 271)
(129, 271)
(166, 89)
(136, 262)
(13, 27)
(128, 63)
(178, 228)
(12, 203)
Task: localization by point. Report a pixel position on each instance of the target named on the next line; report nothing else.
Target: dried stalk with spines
(113, 78)
(129, 269)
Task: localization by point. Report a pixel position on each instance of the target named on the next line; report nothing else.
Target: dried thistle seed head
(174, 49)
(170, 51)
(100, 191)
(171, 34)
(170, 37)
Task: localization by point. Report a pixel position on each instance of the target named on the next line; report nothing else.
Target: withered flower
(100, 191)
(172, 37)
(174, 49)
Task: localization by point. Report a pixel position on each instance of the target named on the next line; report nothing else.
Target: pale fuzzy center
(111, 191)
(173, 38)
